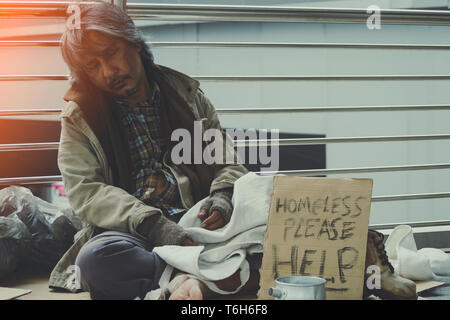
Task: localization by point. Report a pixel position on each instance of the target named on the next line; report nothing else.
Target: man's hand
(213, 222)
(215, 212)
(187, 242)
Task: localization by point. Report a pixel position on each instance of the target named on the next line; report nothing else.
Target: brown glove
(161, 231)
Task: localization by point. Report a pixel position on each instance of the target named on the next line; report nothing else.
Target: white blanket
(413, 264)
(222, 252)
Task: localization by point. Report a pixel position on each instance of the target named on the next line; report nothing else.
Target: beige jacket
(88, 181)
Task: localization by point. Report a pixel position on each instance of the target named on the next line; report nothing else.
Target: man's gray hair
(103, 17)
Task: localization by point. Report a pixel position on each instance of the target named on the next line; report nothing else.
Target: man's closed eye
(92, 65)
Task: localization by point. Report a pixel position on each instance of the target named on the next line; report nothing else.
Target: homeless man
(114, 157)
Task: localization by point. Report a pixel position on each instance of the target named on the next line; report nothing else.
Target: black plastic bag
(51, 228)
(14, 241)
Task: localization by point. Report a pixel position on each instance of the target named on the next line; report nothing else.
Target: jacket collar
(184, 84)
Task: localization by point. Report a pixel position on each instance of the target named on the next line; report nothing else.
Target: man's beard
(130, 92)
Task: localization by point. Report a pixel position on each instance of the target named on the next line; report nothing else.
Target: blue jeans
(117, 265)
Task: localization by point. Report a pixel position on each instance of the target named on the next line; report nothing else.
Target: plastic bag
(51, 228)
(14, 240)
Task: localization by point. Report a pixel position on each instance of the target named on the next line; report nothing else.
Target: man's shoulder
(183, 83)
(176, 75)
(70, 109)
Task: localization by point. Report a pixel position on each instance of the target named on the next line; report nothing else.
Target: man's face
(112, 64)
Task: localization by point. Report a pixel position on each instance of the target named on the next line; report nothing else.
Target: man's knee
(101, 260)
(113, 265)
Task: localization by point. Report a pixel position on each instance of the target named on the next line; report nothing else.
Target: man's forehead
(96, 41)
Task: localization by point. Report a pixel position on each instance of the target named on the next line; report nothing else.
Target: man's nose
(109, 70)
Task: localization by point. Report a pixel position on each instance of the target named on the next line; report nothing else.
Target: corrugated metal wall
(249, 61)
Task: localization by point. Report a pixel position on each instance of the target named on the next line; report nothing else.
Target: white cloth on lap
(222, 252)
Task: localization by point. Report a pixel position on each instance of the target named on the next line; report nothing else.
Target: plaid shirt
(155, 185)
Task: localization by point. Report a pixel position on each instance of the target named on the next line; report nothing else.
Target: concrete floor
(38, 283)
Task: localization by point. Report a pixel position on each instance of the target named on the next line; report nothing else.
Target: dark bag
(51, 229)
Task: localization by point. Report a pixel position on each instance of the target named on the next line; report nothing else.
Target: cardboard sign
(318, 227)
(12, 293)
